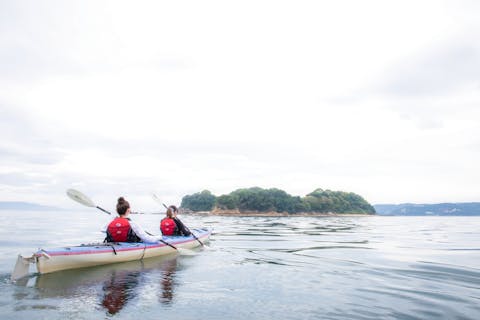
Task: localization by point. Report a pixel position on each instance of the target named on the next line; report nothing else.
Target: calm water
(258, 268)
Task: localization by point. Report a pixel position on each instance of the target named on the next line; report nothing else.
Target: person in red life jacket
(171, 224)
(168, 225)
(122, 229)
(182, 229)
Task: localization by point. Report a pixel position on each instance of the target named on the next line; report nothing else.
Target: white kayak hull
(51, 260)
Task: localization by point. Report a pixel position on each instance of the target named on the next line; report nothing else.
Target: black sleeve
(183, 230)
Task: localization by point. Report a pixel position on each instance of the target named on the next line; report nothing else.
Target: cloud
(433, 86)
(21, 179)
(440, 71)
(25, 141)
(173, 99)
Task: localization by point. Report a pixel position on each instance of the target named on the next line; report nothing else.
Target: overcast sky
(381, 98)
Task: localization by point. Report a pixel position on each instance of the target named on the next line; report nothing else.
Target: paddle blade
(80, 197)
(156, 198)
(186, 252)
(206, 247)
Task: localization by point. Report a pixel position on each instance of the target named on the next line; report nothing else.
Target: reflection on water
(266, 268)
(117, 283)
(168, 281)
(119, 289)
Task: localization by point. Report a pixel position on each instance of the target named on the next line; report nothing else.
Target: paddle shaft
(168, 244)
(163, 241)
(193, 235)
(99, 208)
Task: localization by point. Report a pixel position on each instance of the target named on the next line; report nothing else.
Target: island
(257, 201)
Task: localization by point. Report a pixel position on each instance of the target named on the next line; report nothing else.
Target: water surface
(261, 268)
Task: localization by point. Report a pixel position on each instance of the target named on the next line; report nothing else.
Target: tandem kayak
(95, 254)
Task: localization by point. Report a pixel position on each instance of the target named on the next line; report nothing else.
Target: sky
(130, 98)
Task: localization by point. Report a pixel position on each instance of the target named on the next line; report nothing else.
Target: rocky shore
(237, 213)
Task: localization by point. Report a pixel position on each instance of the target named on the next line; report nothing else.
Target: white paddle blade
(80, 197)
(186, 252)
(154, 196)
(206, 247)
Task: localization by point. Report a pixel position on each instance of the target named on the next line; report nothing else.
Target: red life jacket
(167, 226)
(119, 230)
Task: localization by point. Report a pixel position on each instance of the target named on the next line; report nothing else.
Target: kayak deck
(87, 255)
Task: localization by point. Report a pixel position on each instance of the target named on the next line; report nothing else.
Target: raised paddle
(83, 199)
(193, 235)
(86, 201)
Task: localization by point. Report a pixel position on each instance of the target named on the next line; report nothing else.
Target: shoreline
(226, 213)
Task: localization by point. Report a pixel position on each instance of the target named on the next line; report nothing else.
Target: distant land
(404, 209)
(274, 201)
(437, 209)
(26, 206)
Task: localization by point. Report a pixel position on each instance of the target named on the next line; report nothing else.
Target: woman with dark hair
(171, 224)
(182, 229)
(122, 229)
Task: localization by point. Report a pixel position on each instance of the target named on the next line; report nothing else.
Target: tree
(226, 201)
(200, 201)
(338, 202)
(264, 200)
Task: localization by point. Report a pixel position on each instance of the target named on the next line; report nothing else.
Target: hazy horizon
(128, 99)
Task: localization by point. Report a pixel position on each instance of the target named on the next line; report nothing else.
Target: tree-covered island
(259, 200)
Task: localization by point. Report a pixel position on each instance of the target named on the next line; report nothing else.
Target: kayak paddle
(86, 201)
(83, 199)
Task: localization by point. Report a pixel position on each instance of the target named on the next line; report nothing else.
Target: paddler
(171, 224)
(182, 229)
(122, 229)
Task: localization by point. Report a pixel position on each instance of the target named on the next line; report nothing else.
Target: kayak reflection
(124, 285)
(169, 268)
(115, 284)
(119, 289)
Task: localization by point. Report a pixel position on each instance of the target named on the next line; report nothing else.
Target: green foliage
(338, 201)
(264, 200)
(200, 201)
(253, 199)
(226, 202)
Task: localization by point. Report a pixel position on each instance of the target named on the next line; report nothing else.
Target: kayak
(95, 254)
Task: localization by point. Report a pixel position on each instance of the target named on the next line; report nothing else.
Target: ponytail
(122, 206)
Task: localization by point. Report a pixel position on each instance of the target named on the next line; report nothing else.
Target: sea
(372, 267)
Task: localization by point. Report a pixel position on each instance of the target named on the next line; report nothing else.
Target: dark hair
(175, 209)
(169, 213)
(122, 206)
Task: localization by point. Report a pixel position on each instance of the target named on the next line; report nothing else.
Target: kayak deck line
(95, 254)
(107, 247)
(54, 254)
(104, 248)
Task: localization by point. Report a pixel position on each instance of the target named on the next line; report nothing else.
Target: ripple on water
(280, 267)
